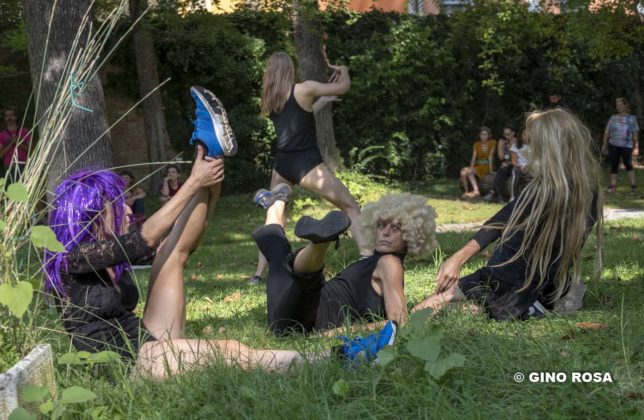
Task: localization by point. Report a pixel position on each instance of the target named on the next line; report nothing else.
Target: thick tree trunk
(87, 121)
(156, 131)
(312, 66)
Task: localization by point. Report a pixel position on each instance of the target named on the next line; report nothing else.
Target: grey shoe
(572, 301)
(265, 199)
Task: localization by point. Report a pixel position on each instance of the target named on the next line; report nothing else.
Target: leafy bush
(421, 86)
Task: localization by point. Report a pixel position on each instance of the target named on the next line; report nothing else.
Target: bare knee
(465, 171)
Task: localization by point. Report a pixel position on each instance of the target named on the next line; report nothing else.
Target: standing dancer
(538, 258)
(291, 107)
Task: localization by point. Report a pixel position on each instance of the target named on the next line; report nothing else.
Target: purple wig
(76, 218)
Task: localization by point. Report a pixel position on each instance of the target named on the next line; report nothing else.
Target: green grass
(483, 388)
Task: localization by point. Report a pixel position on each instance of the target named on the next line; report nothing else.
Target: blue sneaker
(265, 198)
(211, 124)
(367, 348)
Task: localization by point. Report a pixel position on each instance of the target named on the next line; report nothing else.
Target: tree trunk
(312, 65)
(156, 131)
(87, 121)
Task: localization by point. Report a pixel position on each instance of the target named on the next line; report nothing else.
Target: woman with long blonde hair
(541, 233)
(291, 107)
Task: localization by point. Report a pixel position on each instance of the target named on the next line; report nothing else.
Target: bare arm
(205, 172)
(165, 190)
(636, 143)
(390, 273)
(340, 84)
(515, 158)
(473, 160)
(500, 147)
(323, 101)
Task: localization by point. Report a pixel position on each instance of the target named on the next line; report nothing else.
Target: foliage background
(421, 86)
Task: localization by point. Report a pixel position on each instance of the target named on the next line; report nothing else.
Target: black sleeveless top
(350, 294)
(295, 127)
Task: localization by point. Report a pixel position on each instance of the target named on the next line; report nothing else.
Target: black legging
(614, 155)
(501, 181)
(292, 298)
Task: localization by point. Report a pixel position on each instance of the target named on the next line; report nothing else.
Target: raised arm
(205, 172)
(339, 85)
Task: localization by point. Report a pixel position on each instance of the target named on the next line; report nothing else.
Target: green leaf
(44, 237)
(34, 393)
(77, 394)
(438, 368)
(1, 183)
(2, 225)
(20, 413)
(46, 407)
(386, 355)
(417, 321)
(105, 357)
(341, 388)
(75, 358)
(17, 192)
(17, 298)
(425, 348)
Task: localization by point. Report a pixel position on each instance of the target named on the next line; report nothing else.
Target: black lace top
(96, 311)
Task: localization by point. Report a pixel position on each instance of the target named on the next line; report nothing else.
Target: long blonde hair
(554, 207)
(278, 78)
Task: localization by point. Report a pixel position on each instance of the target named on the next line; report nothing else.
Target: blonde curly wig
(417, 218)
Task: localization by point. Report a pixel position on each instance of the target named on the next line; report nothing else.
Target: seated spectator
(14, 145)
(520, 159)
(499, 191)
(134, 197)
(480, 164)
(171, 183)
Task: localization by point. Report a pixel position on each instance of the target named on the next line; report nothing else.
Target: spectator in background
(14, 144)
(481, 163)
(171, 183)
(555, 99)
(499, 190)
(520, 158)
(621, 141)
(134, 197)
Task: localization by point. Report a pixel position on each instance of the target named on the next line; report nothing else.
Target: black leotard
(295, 126)
(297, 149)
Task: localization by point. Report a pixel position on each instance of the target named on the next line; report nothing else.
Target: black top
(515, 273)
(95, 311)
(295, 127)
(350, 294)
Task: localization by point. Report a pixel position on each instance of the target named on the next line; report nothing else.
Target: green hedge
(421, 86)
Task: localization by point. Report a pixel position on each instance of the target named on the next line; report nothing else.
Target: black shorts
(500, 299)
(293, 166)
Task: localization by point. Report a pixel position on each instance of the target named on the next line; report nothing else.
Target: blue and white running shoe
(211, 124)
(367, 348)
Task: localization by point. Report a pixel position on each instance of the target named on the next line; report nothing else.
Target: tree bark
(156, 132)
(85, 125)
(312, 65)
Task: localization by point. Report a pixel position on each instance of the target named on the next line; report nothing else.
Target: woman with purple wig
(91, 281)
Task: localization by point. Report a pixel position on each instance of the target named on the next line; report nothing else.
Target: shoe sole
(227, 143)
(325, 230)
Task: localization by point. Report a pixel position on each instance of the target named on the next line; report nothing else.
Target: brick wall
(128, 136)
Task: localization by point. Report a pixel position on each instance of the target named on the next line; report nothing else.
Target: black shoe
(265, 199)
(328, 229)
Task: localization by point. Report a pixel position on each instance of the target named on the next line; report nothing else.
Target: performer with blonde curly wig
(298, 296)
(538, 258)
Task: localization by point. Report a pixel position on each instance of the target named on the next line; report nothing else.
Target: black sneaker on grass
(328, 229)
